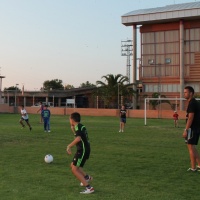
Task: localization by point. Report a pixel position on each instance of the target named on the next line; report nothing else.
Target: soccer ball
(48, 158)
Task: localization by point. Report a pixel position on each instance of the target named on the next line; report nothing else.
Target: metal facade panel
(166, 13)
(175, 7)
(169, 14)
(187, 13)
(175, 14)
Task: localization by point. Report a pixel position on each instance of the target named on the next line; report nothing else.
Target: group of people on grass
(191, 135)
(45, 117)
(191, 132)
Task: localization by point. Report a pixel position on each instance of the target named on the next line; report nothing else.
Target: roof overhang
(171, 13)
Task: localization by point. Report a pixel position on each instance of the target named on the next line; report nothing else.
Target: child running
(24, 117)
(82, 154)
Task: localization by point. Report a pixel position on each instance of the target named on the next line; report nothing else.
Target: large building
(170, 48)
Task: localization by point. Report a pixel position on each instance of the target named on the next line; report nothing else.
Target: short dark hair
(76, 117)
(190, 88)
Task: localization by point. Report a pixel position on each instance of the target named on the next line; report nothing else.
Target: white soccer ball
(48, 158)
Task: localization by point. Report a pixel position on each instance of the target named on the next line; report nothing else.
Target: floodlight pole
(127, 50)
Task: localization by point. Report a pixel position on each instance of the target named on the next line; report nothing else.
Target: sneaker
(192, 170)
(30, 128)
(119, 131)
(49, 131)
(122, 131)
(88, 180)
(198, 168)
(88, 190)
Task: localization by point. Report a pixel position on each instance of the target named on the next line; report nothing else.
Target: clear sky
(71, 40)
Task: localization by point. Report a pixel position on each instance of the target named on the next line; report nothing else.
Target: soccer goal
(157, 104)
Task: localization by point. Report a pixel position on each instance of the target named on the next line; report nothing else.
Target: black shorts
(26, 120)
(122, 119)
(80, 158)
(193, 136)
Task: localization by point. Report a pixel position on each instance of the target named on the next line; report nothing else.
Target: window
(167, 87)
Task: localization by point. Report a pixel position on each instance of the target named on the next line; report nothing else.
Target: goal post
(148, 99)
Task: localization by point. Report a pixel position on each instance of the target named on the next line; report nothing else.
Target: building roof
(167, 13)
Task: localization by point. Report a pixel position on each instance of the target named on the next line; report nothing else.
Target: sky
(71, 40)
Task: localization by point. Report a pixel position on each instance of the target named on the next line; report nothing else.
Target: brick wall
(167, 114)
(5, 108)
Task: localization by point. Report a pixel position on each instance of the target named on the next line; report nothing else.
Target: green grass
(145, 162)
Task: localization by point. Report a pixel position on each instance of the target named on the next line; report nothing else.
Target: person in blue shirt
(46, 118)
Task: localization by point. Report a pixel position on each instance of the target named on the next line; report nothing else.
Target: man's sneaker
(88, 190)
(88, 180)
(30, 128)
(23, 127)
(119, 130)
(122, 131)
(192, 170)
(49, 131)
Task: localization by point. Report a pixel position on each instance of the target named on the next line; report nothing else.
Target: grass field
(145, 162)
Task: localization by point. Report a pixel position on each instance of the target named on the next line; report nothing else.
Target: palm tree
(110, 88)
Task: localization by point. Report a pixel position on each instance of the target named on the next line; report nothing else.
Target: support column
(8, 99)
(134, 63)
(181, 27)
(24, 101)
(1, 77)
(59, 101)
(33, 100)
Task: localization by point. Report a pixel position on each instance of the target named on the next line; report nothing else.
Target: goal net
(158, 105)
(162, 107)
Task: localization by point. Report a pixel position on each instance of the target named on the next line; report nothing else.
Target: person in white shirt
(24, 117)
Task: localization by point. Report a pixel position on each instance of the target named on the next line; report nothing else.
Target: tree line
(109, 89)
